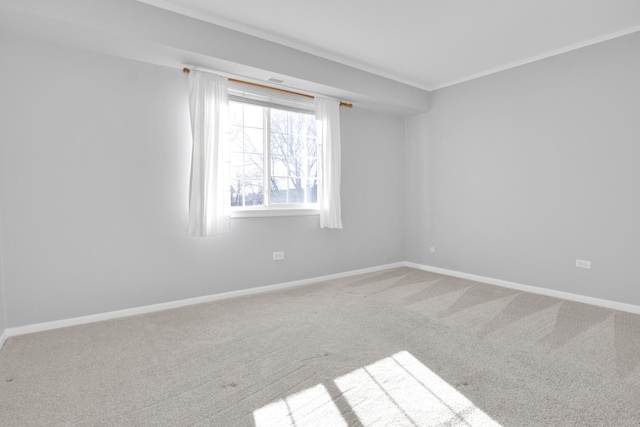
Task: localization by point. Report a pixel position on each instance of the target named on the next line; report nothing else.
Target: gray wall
(3, 310)
(515, 175)
(134, 30)
(94, 169)
(3, 325)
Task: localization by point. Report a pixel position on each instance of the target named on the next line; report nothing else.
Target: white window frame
(268, 209)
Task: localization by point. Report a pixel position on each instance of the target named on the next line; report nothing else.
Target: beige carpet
(396, 348)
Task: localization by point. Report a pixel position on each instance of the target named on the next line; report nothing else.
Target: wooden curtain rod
(342, 104)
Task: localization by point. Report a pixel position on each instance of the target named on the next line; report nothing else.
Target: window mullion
(266, 149)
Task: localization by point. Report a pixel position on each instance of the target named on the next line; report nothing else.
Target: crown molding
(170, 6)
(540, 57)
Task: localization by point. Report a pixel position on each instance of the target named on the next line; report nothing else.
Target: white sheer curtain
(328, 116)
(209, 193)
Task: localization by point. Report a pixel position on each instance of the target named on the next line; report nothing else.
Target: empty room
(338, 213)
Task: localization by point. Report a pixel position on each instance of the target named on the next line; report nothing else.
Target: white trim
(45, 326)
(528, 288)
(545, 55)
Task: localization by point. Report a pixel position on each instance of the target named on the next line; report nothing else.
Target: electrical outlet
(580, 263)
(278, 256)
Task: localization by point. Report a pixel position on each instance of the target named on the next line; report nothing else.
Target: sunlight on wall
(398, 390)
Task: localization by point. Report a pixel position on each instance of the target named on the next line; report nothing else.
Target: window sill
(266, 212)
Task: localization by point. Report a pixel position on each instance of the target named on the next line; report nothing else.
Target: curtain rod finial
(186, 70)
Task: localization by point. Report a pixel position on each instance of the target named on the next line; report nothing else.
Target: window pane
(279, 144)
(236, 192)
(235, 138)
(254, 193)
(253, 116)
(279, 166)
(312, 191)
(237, 167)
(279, 188)
(253, 140)
(279, 121)
(311, 167)
(309, 125)
(312, 147)
(296, 192)
(296, 166)
(298, 124)
(253, 167)
(297, 145)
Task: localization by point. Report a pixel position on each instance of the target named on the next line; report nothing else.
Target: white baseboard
(45, 326)
(532, 289)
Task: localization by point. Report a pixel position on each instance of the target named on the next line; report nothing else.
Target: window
(274, 156)
(276, 148)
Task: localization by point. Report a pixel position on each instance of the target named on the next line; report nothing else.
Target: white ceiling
(425, 43)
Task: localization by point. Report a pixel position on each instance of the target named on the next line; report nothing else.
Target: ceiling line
(169, 6)
(540, 57)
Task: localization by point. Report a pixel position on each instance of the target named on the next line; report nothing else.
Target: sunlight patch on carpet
(397, 390)
(311, 407)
